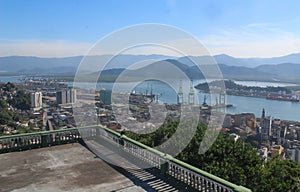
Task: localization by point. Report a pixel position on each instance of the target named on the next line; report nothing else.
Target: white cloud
(43, 48)
(253, 40)
(175, 47)
(273, 48)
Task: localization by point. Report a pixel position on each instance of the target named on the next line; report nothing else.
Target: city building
(228, 121)
(71, 96)
(105, 97)
(61, 97)
(295, 155)
(66, 96)
(276, 130)
(36, 100)
(245, 121)
(265, 127)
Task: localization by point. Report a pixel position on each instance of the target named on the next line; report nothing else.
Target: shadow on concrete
(150, 179)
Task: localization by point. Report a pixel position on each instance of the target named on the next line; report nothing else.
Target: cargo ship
(283, 98)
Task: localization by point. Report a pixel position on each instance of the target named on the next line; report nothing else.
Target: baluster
(73, 137)
(186, 177)
(6, 143)
(212, 186)
(28, 141)
(39, 139)
(196, 180)
(58, 137)
(192, 182)
(220, 188)
(175, 169)
(180, 174)
(205, 184)
(171, 170)
(143, 153)
(15, 142)
(1, 145)
(51, 138)
(34, 140)
(11, 144)
(66, 137)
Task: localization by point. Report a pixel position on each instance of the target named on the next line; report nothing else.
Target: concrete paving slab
(69, 167)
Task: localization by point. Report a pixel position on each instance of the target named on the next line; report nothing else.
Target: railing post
(97, 131)
(121, 141)
(44, 141)
(164, 167)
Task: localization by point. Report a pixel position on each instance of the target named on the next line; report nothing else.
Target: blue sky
(56, 28)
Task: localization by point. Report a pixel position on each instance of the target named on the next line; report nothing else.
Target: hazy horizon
(296, 53)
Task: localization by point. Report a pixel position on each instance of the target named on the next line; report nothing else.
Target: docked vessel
(284, 98)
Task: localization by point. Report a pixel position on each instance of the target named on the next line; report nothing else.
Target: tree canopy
(231, 160)
(20, 100)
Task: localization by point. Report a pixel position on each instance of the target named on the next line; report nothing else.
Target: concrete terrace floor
(69, 167)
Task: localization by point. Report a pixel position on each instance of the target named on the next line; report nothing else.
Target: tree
(231, 160)
(234, 161)
(280, 175)
(8, 87)
(5, 115)
(20, 100)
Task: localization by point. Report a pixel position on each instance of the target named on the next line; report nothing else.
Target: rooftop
(117, 163)
(69, 167)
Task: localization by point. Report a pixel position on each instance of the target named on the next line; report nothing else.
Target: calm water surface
(277, 109)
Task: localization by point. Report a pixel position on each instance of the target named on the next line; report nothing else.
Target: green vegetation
(280, 175)
(231, 85)
(5, 115)
(9, 118)
(236, 162)
(20, 100)
(16, 98)
(13, 103)
(294, 88)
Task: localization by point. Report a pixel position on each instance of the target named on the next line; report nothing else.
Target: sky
(60, 28)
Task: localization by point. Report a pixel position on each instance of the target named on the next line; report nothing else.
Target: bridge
(164, 172)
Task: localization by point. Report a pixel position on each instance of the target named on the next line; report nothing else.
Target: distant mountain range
(254, 62)
(25, 64)
(284, 68)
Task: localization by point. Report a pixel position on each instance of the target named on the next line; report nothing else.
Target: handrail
(134, 141)
(35, 133)
(181, 163)
(167, 158)
(44, 132)
(210, 176)
(10, 143)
